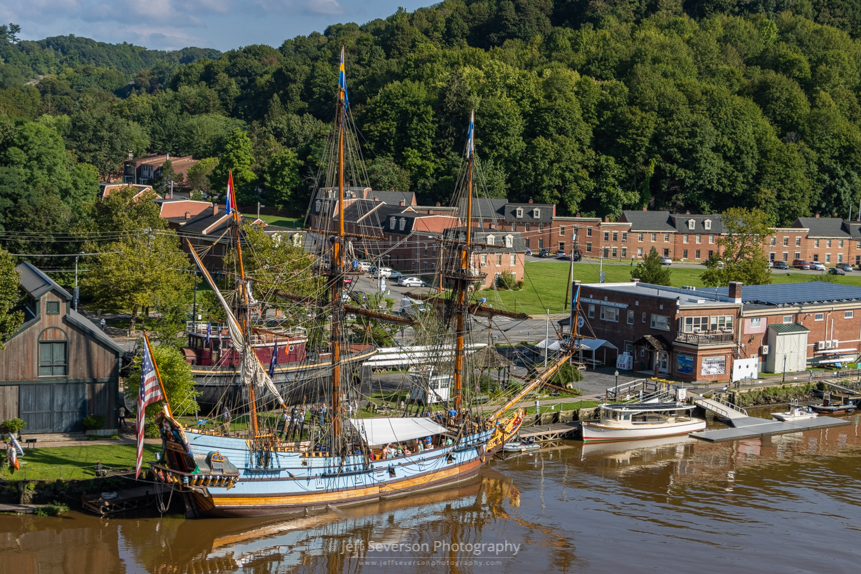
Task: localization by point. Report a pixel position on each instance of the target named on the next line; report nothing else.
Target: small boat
(795, 413)
(520, 446)
(642, 421)
(828, 407)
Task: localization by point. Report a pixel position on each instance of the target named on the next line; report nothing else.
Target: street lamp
(617, 384)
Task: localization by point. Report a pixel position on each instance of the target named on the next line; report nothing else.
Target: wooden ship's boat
(349, 459)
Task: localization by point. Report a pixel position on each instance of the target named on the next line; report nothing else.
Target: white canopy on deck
(595, 344)
(392, 430)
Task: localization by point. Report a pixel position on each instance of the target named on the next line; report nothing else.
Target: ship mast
(336, 271)
(462, 283)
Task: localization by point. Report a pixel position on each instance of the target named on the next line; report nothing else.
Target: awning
(392, 430)
(551, 344)
(595, 344)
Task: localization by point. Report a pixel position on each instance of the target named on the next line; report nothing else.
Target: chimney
(606, 219)
(688, 212)
(188, 215)
(131, 154)
(635, 280)
(735, 291)
(437, 204)
(376, 199)
(578, 214)
(167, 156)
(530, 200)
(214, 209)
(817, 216)
(645, 208)
(402, 203)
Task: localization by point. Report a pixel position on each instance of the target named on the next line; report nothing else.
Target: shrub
(506, 280)
(94, 422)
(13, 426)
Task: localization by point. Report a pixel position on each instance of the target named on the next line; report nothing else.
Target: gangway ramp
(736, 415)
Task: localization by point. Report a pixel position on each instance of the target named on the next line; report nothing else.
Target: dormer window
(691, 224)
(509, 241)
(536, 213)
(319, 206)
(403, 223)
(392, 222)
(518, 212)
(707, 224)
(490, 239)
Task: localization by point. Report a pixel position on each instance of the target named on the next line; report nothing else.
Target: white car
(364, 266)
(666, 261)
(818, 266)
(377, 272)
(410, 282)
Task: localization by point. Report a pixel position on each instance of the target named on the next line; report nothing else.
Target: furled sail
(252, 369)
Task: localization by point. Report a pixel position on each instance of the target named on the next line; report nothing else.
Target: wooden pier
(124, 500)
(543, 433)
(20, 508)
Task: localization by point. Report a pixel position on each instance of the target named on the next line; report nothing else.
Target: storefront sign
(684, 364)
(714, 366)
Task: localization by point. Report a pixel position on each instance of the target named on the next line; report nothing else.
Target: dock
(762, 427)
(542, 433)
(106, 504)
(20, 508)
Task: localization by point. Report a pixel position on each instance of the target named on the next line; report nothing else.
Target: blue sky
(171, 24)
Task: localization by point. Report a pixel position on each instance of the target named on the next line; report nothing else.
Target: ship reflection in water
(571, 508)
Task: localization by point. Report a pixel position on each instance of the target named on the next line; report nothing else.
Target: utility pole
(258, 210)
(546, 337)
(194, 305)
(571, 270)
(77, 291)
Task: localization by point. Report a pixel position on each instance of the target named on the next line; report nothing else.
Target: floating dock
(752, 426)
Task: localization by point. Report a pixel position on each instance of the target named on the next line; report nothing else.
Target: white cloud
(325, 7)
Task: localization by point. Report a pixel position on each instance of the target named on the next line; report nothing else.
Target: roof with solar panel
(793, 294)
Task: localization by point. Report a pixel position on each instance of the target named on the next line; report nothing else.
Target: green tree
(281, 179)
(651, 271)
(742, 254)
(198, 175)
(10, 319)
(176, 376)
(238, 158)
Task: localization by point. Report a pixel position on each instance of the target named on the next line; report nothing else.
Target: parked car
(818, 266)
(348, 281)
(410, 282)
(365, 266)
(395, 274)
(377, 272)
(560, 254)
(544, 252)
(845, 267)
(577, 256)
(781, 265)
(836, 271)
(800, 264)
(666, 261)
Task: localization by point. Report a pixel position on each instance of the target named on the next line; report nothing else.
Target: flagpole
(158, 375)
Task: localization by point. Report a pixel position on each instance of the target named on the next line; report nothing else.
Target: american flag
(150, 392)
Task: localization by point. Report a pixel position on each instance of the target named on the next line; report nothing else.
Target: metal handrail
(705, 338)
(725, 403)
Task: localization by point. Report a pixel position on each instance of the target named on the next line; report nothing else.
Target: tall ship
(345, 454)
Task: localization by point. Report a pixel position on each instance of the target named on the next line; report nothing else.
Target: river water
(789, 503)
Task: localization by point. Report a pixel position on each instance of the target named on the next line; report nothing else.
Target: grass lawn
(545, 283)
(277, 220)
(75, 462)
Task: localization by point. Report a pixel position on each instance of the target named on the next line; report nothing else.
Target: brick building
(147, 169)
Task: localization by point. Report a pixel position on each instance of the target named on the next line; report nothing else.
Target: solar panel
(794, 293)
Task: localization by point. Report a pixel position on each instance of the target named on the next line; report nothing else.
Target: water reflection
(571, 508)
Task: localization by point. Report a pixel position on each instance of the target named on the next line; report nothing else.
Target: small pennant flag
(150, 392)
(470, 139)
(342, 81)
(230, 202)
(274, 360)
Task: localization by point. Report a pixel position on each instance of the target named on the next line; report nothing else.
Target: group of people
(391, 451)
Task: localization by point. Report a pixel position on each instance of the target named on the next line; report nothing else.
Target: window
(540, 243)
(666, 252)
(695, 324)
(588, 232)
(720, 323)
(615, 236)
(630, 317)
(610, 314)
(484, 260)
(561, 246)
(624, 253)
(815, 256)
(562, 231)
(819, 317)
(540, 227)
(661, 322)
(840, 243)
(513, 227)
(707, 224)
(606, 236)
(644, 317)
(624, 236)
(839, 258)
(786, 241)
(691, 224)
(640, 237)
(756, 323)
(858, 245)
(52, 307)
(393, 221)
(798, 241)
(518, 213)
(318, 205)
(684, 253)
(509, 241)
(588, 248)
(403, 223)
(785, 256)
(697, 252)
(591, 311)
(699, 238)
(827, 243)
(527, 226)
(654, 237)
(490, 240)
(787, 319)
(52, 359)
(815, 243)
(614, 251)
(773, 240)
(536, 213)
(798, 255)
(499, 259)
(640, 252)
(711, 239)
(848, 314)
(666, 237)
(684, 238)
(526, 241)
(828, 258)
(512, 260)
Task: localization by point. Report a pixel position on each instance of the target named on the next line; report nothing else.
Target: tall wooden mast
(462, 284)
(337, 266)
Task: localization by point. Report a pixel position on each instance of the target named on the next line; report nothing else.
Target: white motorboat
(642, 421)
(795, 413)
(520, 446)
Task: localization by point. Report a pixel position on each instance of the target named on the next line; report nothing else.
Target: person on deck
(323, 412)
(301, 428)
(286, 422)
(122, 417)
(313, 414)
(226, 419)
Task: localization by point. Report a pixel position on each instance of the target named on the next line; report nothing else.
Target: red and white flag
(230, 202)
(150, 392)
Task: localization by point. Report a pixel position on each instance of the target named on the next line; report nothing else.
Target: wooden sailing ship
(353, 459)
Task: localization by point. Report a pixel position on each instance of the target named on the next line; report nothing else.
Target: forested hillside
(595, 105)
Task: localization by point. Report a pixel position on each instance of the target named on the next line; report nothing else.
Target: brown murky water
(786, 503)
